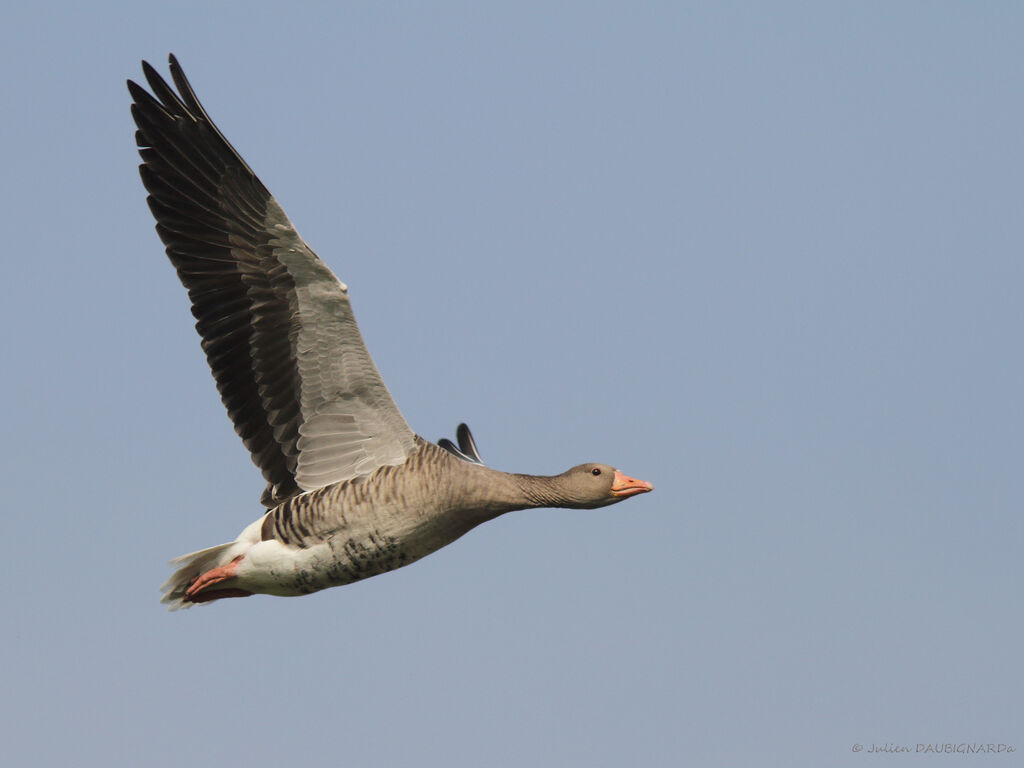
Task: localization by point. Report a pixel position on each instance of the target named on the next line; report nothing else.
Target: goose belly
(346, 556)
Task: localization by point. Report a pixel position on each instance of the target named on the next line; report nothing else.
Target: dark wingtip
(175, 67)
(136, 90)
(466, 442)
(466, 449)
(150, 71)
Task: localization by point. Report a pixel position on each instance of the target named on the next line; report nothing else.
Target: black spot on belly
(362, 558)
(306, 582)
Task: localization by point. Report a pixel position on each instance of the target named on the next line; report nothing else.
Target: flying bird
(351, 490)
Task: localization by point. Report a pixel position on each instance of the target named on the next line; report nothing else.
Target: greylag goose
(351, 491)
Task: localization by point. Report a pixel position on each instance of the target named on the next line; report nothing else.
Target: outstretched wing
(276, 325)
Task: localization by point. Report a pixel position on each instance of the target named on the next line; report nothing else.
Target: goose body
(351, 491)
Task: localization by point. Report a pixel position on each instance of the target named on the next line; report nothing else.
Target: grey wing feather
(276, 324)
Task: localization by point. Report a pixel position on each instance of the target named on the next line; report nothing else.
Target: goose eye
(595, 471)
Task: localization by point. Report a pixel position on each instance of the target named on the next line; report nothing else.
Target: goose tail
(193, 565)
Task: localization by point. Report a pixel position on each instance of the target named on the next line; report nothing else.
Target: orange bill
(624, 485)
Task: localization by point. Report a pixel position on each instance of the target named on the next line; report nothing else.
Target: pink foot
(215, 576)
(217, 594)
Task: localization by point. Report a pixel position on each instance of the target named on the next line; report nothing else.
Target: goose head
(588, 486)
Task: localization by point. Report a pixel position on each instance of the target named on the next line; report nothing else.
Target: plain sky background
(767, 256)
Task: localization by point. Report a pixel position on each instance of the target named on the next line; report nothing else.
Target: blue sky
(769, 258)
